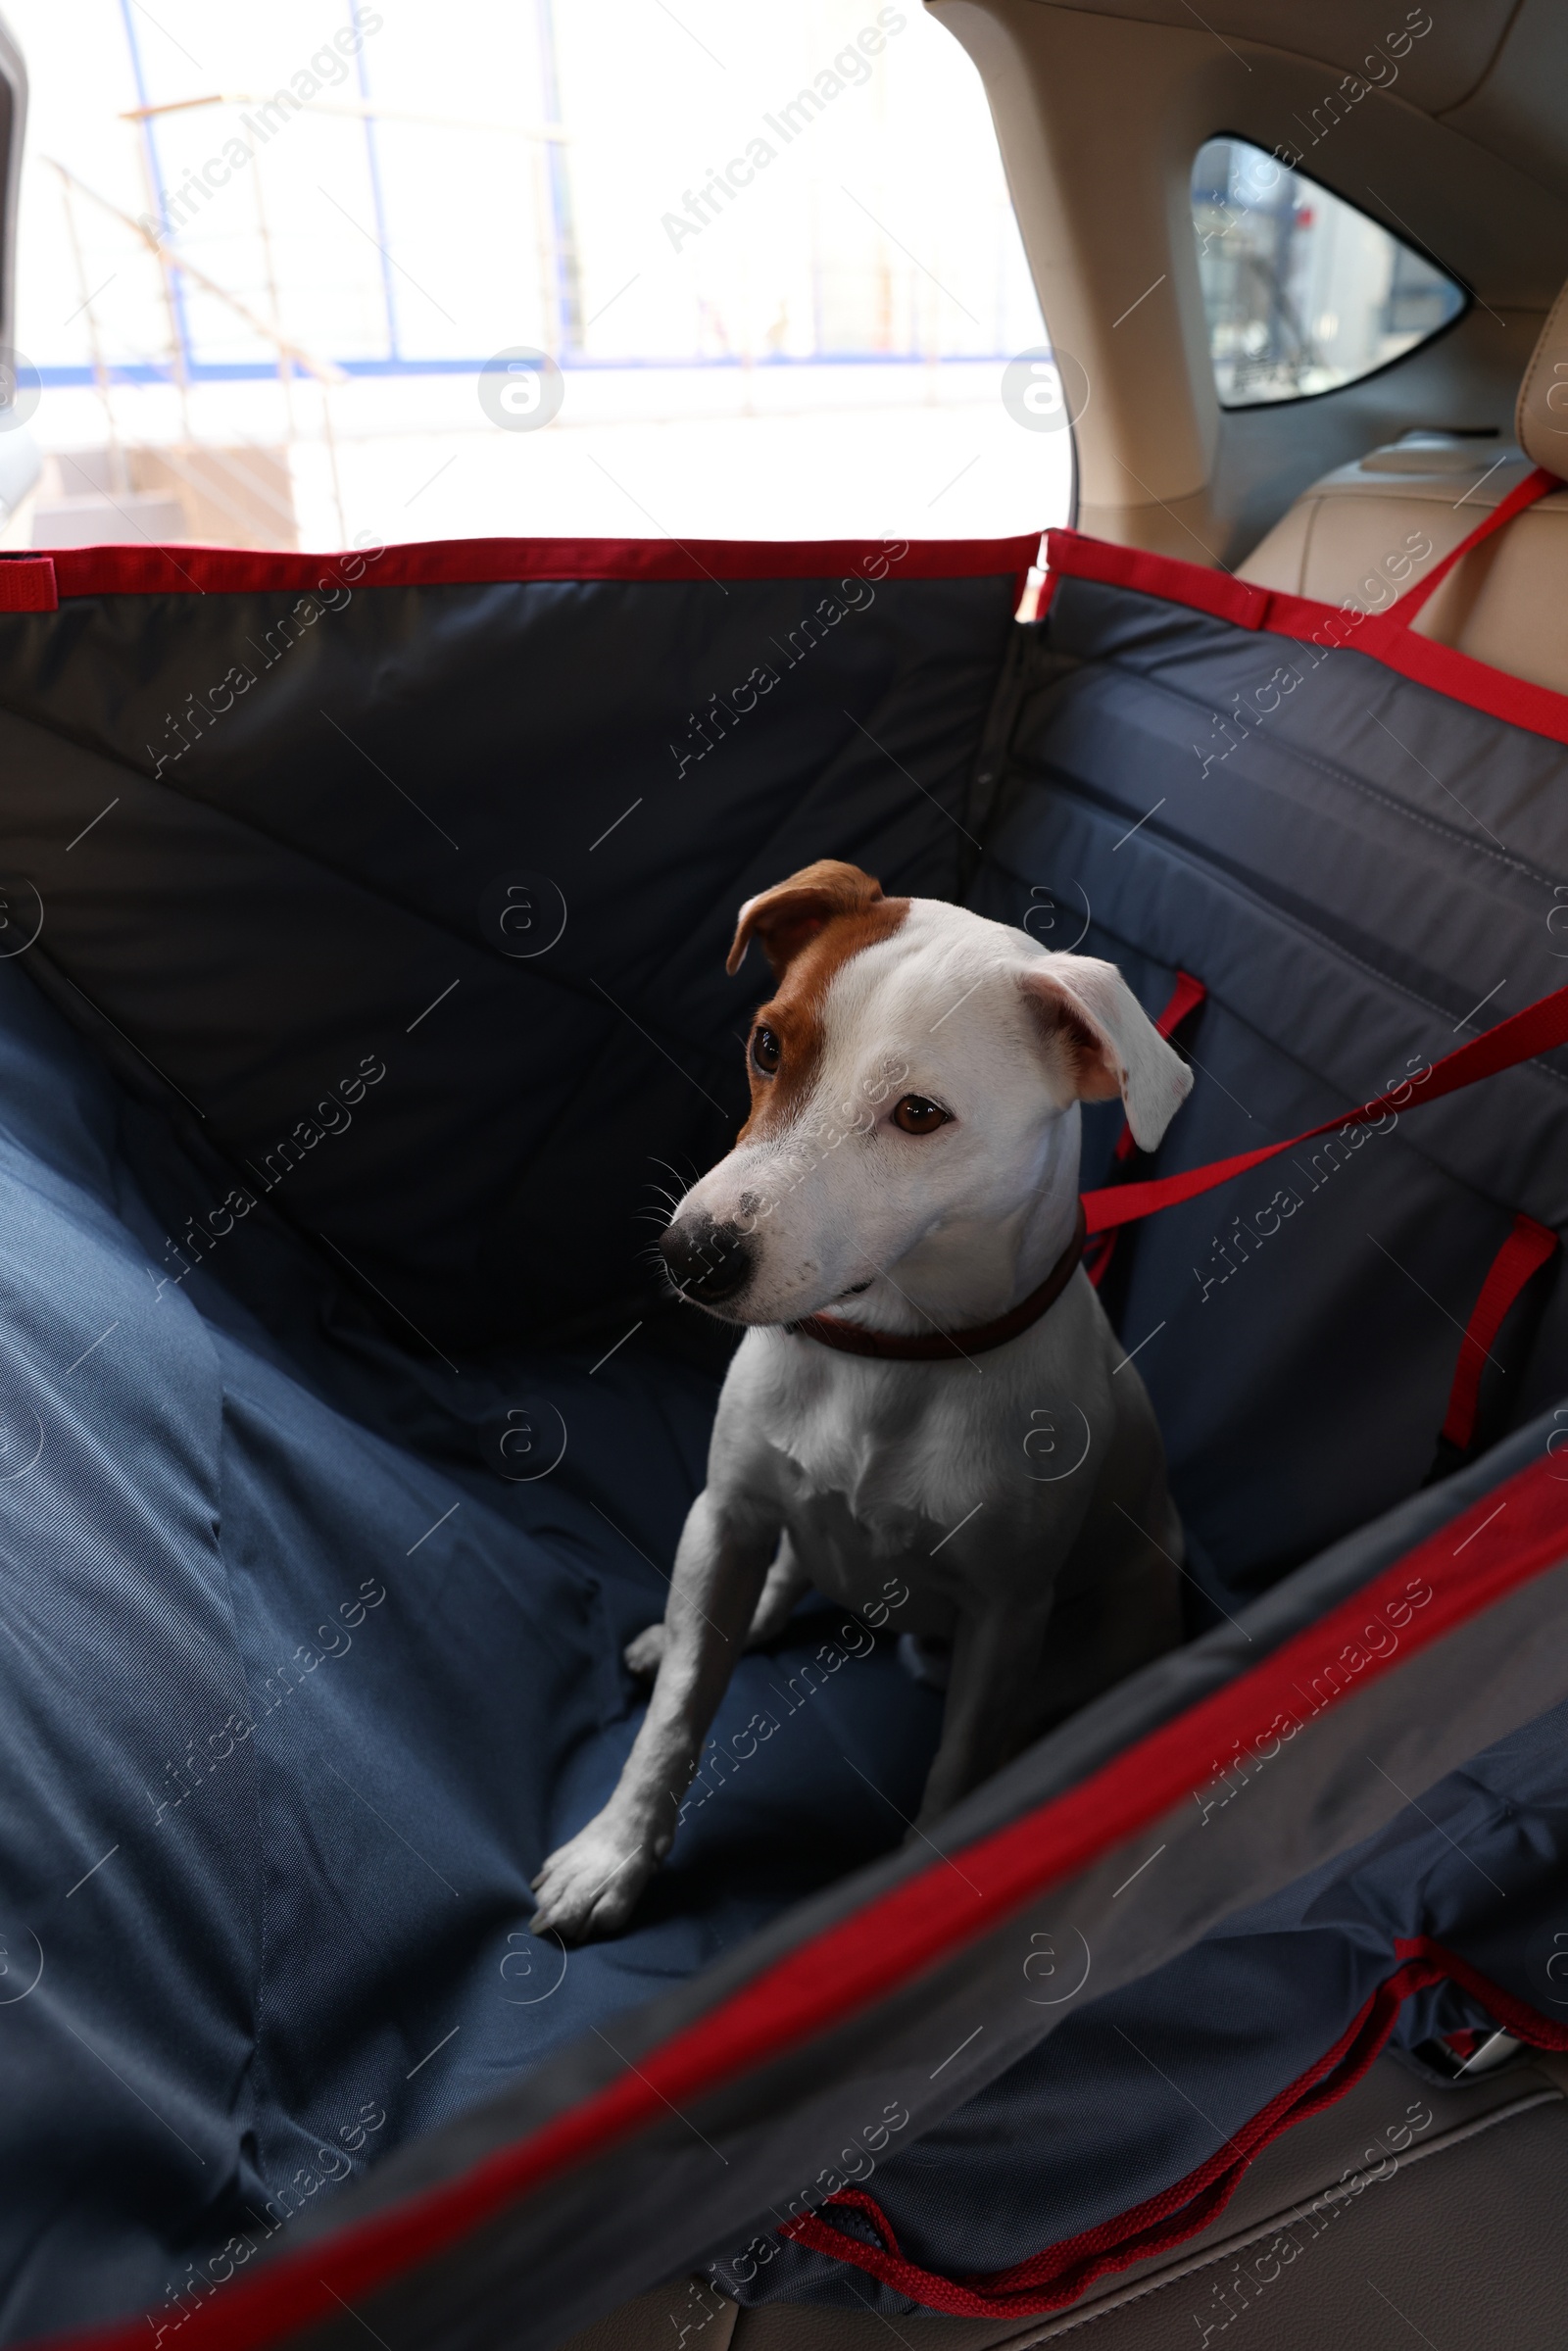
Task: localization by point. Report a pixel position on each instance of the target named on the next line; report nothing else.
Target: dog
(963, 1427)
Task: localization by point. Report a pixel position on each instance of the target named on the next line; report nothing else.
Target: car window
(1302, 291)
(489, 268)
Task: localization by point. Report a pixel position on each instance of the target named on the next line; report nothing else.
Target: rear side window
(1301, 292)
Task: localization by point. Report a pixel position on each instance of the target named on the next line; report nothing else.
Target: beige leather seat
(1367, 530)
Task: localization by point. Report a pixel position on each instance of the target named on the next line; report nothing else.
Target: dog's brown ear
(785, 917)
(1113, 1046)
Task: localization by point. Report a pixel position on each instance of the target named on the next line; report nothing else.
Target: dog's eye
(917, 1116)
(766, 1051)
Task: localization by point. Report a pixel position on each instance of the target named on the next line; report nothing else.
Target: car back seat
(1369, 530)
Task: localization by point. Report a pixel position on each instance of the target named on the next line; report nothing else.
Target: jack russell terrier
(964, 1415)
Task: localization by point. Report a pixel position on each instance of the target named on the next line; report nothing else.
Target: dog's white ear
(1113, 1045)
(791, 912)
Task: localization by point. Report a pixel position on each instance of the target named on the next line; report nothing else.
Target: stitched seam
(317, 863)
(259, 2005)
(1559, 309)
(320, 864)
(1313, 510)
(1063, 2322)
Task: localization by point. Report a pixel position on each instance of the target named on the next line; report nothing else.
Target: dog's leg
(589, 1886)
(996, 1662)
(786, 1581)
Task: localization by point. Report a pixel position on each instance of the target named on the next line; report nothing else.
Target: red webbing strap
(1381, 627)
(1539, 1029)
(1186, 997)
(1528, 1247)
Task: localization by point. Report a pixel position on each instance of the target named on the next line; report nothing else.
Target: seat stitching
(1338, 2190)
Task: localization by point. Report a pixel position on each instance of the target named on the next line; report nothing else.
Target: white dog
(964, 1428)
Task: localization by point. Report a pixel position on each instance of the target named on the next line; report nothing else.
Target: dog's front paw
(644, 1655)
(590, 1886)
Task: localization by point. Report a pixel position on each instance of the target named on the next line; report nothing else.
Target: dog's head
(915, 1066)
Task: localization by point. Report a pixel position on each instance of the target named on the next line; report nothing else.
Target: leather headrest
(1541, 422)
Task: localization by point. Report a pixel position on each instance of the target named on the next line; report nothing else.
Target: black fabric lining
(433, 923)
(469, 940)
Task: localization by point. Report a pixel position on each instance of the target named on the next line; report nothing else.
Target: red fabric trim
(1514, 1533)
(1536, 709)
(1058, 2275)
(438, 563)
(1526, 1249)
(1538, 1029)
(1220, 594)
(28, 584)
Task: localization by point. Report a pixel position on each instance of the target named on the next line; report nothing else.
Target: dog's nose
(708, 1262)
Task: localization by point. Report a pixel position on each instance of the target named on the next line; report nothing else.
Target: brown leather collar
(937, 1347)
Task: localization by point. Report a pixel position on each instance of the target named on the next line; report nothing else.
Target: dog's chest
(884, 1456)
